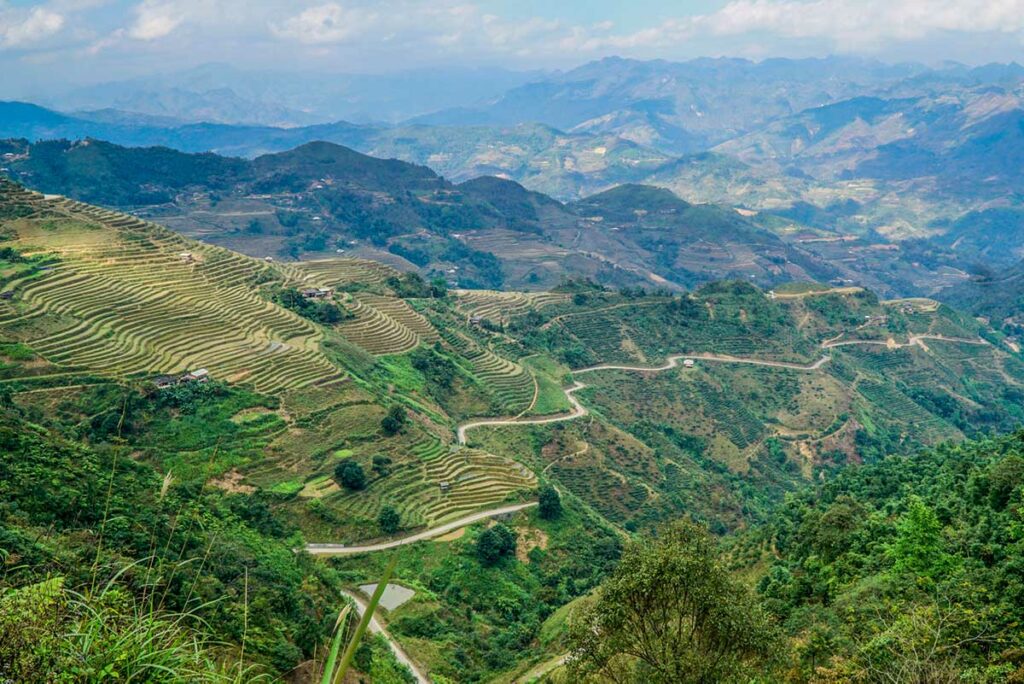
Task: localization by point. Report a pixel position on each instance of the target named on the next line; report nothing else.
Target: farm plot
(336, 272)
(503, 306)
(438, 485)
(381, 333)
(135, 298)
(510, 384)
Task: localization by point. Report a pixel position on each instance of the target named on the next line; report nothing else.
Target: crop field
(475, 480)
(338, 272)
(120, 296)
(385, 325)
(513, 244)
(500, 307)
(892, 402)
(637, 334)
(509, 383)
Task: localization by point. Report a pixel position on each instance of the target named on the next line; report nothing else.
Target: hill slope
(326, 410)
(320, 198)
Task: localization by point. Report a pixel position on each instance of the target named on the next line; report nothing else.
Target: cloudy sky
(60, 42)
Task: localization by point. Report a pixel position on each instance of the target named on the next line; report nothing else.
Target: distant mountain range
(220, 93)
(920, 160)
(321, 199)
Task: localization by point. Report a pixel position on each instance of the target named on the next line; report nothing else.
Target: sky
(57, 43)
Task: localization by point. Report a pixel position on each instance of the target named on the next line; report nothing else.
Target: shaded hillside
(917, 549)
(997, 295)
(323, 199)
(345, 402)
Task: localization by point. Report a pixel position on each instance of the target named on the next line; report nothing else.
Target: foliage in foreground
(671, 613)
(50, 633)
(86, 514)
(909, 570)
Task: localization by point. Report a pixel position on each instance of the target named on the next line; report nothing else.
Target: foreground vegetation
(137, 499)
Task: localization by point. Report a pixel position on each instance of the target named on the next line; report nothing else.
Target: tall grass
(335, 674)
(50, 633)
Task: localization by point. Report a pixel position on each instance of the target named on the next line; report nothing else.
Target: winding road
(377, 628)
(578, 411)
(912, 341)
(342, 550)
(673, 361)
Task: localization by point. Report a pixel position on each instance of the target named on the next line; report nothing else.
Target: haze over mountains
(505, 358)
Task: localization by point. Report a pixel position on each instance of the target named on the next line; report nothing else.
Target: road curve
(673, 361)
(578, 411)
(377, 628)
(912, 341)
(342, 550)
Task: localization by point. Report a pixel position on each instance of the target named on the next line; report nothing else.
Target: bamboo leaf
(364, 622)
(339, 635)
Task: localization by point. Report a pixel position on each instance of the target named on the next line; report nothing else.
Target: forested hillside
(321, 199)
(906, 570)
(186, 427)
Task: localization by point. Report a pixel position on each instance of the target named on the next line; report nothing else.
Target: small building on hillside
(198, 375)
(165, 381)
(689, 363)
(317, 292)
(187, 257)
(476, 320)
(444, 485)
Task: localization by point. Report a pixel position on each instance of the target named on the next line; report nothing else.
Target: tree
(394, 421)
(350, 475)
(495, 544)
(919, 548)
(381, 465)
(549, 503)
(1004, 477)
(389, 520)
(670, 612)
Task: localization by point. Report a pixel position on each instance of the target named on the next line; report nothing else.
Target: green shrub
(495, 544)
(550, 503)
(389, 520)
(350, 475)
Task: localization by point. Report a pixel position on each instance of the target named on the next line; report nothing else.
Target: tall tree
(670, 613)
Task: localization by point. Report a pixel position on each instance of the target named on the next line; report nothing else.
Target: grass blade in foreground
(364, 622)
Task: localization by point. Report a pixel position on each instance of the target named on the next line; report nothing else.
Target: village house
(317, 292)
(165, 381)
(198, 375)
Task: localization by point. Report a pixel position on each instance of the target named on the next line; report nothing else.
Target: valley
(321, 398)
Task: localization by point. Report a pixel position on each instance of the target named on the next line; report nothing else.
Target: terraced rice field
(510, 384)
(500, 307)
(476, 480)
(335, 272)
(385, 325)
(119, 298)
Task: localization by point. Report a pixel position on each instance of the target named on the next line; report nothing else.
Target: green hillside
(320, 200)
(347, 403)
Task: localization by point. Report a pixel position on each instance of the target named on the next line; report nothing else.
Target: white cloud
(155, 20)
(854, 22)
(19, 29)
(330, 23)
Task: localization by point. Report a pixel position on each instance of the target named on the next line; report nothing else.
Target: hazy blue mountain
(680, 106)
(224, 94)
